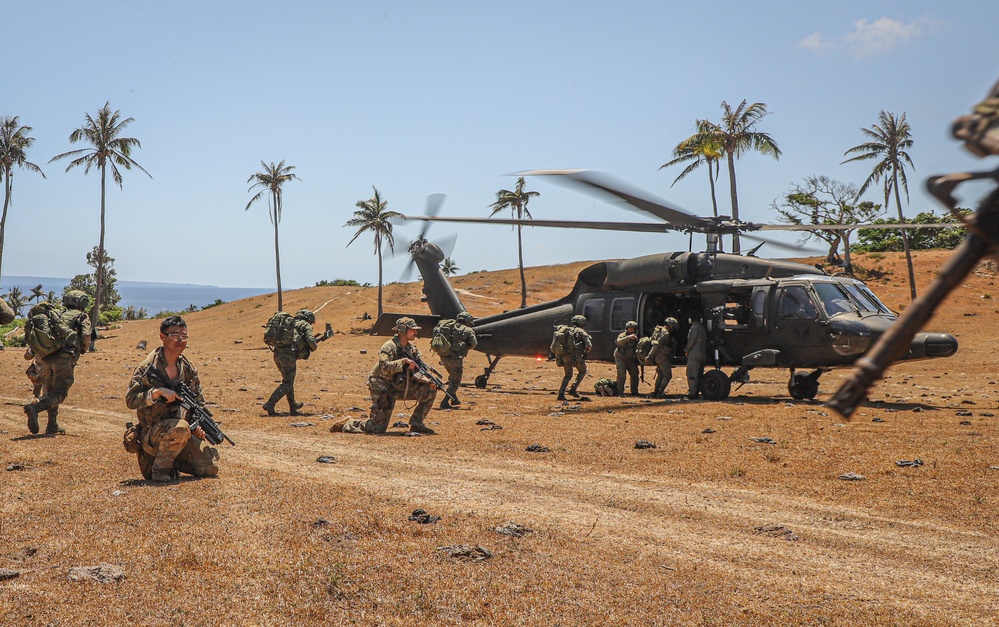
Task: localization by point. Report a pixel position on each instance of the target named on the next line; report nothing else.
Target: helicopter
(759, 313)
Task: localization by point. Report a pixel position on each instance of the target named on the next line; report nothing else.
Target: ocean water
(153, 297)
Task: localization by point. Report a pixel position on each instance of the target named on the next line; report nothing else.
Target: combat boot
(294, 407)
(445, 404)
(53, 428)
(269, 409)
(422, 428)
(32, 412)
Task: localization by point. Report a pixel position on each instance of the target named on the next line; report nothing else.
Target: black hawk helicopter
(758, 312)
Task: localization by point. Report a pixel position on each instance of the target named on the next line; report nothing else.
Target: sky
(452, 97)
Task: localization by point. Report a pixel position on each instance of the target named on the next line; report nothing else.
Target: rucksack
(279, 332)
(642, 350)
(51, 328)
(563, 343)
(441, 341)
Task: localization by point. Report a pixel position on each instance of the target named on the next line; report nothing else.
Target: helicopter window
(866, 304)
(881, 306)
(759, 305)
(834, 300)
(794, 302)
(593, 309)
(622, 310)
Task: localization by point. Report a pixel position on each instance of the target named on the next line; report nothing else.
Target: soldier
(6, 313)
(605, 387)
(626, 359)
(58, 367)
(697, 354)
(168, 446)
(663, 349)
(286, 356)
(391, 379)
(461, 339)
(570, 345)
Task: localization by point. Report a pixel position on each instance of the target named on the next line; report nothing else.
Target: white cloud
(881, 36)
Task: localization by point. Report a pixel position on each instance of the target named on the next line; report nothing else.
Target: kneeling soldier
(391, 379)
(168, 445)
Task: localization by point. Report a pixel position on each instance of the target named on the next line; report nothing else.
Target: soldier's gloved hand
(165, 393)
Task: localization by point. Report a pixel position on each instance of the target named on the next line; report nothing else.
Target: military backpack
(564, 341)
(442, 341)
(643, 349)
(51, 328)
(279, 332)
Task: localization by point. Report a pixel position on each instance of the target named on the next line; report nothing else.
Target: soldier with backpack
(626, 359)
(451, 341)
(570, 345)
(59, 335)
(292, 339)
(663, 349)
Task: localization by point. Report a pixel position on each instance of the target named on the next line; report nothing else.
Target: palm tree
(373, 216)
(516, 201)
(50, 296)
(107, 148)
(37, 292)
(701, 147)
(737, 134)
(889, 141)
(449, 267)
(14, 143)
(16, 299)
(271, 179)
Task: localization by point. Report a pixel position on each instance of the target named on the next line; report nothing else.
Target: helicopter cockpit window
(622, 310)
(794, 302)
(593, 309)
(877, 302)
(834, 299)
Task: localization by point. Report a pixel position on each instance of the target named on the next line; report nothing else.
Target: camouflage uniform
(626, 359)
(663, 348)
(57, 376)
(286, 358)
(462, 340)
(168, 446)
(582, 344)
(6, 313)
(697, 356)
(390, 381)
(604, 387)
(34, 373)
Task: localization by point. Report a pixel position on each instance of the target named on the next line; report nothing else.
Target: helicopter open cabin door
(797, 324)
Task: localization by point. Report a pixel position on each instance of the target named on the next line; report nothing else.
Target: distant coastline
(151, 296)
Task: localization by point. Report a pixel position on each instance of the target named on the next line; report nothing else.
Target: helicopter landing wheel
(481, 381)
(715, 385)
(803, 387)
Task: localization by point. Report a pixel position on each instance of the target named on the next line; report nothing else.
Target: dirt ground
(737, 516)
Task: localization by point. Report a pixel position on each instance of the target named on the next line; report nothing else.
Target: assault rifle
(327, 335)
(199, 416)
(435, 377)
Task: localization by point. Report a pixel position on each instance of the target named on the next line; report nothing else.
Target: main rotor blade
(794, 248)
(852, 227)
(643, 201)
(639, 227)
(434, 202)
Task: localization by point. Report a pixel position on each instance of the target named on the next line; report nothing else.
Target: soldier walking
(452, 340)
(298, 344)
(663, 349)
(626, 359)
(394, 378)
(570, 345)
(68, 332)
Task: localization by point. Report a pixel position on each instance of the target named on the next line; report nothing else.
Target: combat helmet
(465, 318)
(579, 321)
(76, 299)
(305, 314)
(671, 323)
(631, 324)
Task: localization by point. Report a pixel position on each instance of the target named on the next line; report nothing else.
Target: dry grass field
(711, 527)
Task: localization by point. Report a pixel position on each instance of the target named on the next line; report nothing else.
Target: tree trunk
(711, 181)
(905, 241)
(3, 219)
(277, 259)
(95, 313)
(520, 264)
(735, 201)
(378, 250)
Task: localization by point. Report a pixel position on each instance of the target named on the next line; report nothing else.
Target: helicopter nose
(932, 345)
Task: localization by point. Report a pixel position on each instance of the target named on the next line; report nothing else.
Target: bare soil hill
(737, 516)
